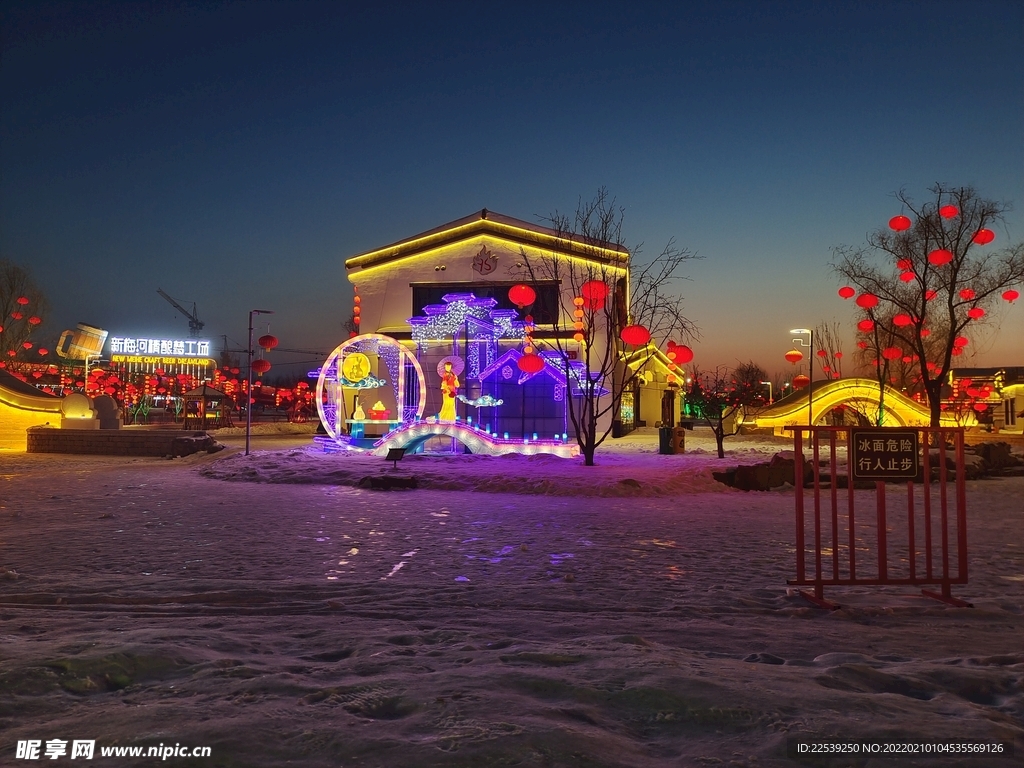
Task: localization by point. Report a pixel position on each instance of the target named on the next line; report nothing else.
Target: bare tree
(718, 395)
(22, 306)
(830, 349)
(638, 293)
(942, 277)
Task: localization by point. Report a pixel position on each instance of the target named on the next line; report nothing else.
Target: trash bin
(678, 440)
(665, 440)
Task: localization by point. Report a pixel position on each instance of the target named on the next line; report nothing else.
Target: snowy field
(512, 612)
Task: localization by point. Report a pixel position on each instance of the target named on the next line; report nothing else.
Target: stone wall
(119, 442)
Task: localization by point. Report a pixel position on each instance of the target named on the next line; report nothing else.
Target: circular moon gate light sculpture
(404, 372)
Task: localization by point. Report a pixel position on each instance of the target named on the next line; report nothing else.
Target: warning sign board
(884, 453)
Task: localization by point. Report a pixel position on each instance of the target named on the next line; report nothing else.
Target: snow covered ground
(513, 612)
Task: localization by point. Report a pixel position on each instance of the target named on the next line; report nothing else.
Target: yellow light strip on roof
(558, 243)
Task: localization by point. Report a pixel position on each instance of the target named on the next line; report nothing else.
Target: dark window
(544, 309)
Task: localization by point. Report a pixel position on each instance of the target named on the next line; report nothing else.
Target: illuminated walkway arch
(330, 389)
(411, 436)
(900, 410)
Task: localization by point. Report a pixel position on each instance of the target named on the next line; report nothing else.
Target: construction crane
(195, 325)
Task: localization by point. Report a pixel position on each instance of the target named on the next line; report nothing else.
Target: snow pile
(628, 467)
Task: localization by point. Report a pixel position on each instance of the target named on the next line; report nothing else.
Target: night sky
(235, 154)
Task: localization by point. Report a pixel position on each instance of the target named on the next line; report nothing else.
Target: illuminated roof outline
(498, 225)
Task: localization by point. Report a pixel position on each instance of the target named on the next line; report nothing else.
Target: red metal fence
(911, 537)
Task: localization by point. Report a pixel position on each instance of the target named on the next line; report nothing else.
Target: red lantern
(822, 353)
(948, 211)
(235, 371)
(984, 236)
(268, 342)
(930, 294)
(261, 366)
(801, 381)
(635, 335)
(981, 407)
(867, 300)
(957, 351)
(960, 341)
(904, 264)
(35, 320)
(899, 223)
(531, 363)
(17, 315)
(940, 256)
(26, 344)
(521, 295)
(925, 333)
(967, 294)
(794, 356)
(44, 352)
(908, 359)
(892, 353)
(839, 355)
(862, 344)
(975, 313)
(23, 300)
(594, 290)
(1010, 295)
(907, 277)
(683, 354)
(902, 320)
(866, 326)
(846, 292)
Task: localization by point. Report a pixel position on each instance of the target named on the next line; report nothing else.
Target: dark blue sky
(235, 154)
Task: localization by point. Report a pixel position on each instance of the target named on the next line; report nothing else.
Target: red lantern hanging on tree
(899, 223)
(22, 300)
(902, 320)
(892, 353)
(1010, 296)
(594, 292)
(984, 236)
(967, 294)
(948, 211)
(975, 313)
(866, 326)
(635, 335)
(846, 292)
(531, 363)
(522, 295)
(940, 256)
(907, 277)
(867, 301)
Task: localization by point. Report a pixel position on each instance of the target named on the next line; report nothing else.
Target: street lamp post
(769, 391)
(810, 369)
(248, 405)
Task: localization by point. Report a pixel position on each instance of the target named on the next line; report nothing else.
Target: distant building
(1004, 403)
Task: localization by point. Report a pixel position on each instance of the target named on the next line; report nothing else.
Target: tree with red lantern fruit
(22, 305)
(944, 246)
(597, 305)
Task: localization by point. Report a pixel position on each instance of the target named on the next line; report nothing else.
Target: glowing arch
(330, 387)
(410, 436)
(899, 410)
